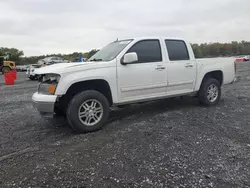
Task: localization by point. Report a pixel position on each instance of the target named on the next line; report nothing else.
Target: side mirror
(130, 58)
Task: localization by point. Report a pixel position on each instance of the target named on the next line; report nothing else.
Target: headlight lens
(48, 84)
(51, 78)
(47, 89)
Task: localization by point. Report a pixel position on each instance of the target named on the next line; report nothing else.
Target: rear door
(146, 78)
(181, 67)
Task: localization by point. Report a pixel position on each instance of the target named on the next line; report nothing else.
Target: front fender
(68, 80)
(65, 83)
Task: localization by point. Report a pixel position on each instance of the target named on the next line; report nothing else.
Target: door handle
(160, 68)
(189, 66)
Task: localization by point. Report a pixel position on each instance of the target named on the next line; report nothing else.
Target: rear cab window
(147, 51)
(177, 50)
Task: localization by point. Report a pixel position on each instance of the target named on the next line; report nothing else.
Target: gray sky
(65, 26)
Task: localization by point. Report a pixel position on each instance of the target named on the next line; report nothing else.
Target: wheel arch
(99, 85)
(216, 74)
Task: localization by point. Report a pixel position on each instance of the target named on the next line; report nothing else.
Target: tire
(76, 106)
(34, 77)
(31, 77)
(208, 84)
(5, 70)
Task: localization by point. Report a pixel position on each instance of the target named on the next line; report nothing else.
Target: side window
(177, 50)
(147, 51)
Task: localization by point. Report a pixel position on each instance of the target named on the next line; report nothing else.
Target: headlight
(47, 89)
(51, 78)
(48, 84)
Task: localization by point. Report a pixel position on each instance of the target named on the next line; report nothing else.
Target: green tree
(92, 52)
(14, 54)
(197, 51)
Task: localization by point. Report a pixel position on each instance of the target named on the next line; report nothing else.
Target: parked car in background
(18, 68)
(30, 71)
(246, 58)
(22, 68)
(41, 63)
(125, 72)
(52, 60)
(243, 58)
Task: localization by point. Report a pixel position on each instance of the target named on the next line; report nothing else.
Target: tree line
(204, 50)
(207, 50)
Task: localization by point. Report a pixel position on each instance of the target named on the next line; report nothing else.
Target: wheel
(31, 77)
(88, 111)
(210, 92)
(34, 77)
(5, 70)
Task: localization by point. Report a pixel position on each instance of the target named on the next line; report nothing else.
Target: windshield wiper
(96, 59)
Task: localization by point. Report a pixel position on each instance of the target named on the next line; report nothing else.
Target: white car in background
(21, 68)
(30, 71)
(43, 62)
(52, 60)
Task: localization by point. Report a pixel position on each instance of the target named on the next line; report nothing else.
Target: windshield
(110, 51)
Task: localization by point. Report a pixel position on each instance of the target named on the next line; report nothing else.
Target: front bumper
(44, 104)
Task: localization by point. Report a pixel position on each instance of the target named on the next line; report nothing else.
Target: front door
(146, 78)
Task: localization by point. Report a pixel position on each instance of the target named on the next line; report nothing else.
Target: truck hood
(61, 68)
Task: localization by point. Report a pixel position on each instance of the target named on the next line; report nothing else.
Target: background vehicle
(30, 71)
(246, 58)
(52, 60)
(43, 62)
(6, 66)
(125, 72)
(22, 68)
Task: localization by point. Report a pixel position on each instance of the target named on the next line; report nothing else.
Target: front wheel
(88, 111)
(210, 92)
(32, 77)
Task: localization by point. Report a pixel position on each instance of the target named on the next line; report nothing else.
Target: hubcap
(90, 112)
(212, 93)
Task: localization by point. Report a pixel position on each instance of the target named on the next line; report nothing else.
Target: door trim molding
(134, 88)
(180, 83)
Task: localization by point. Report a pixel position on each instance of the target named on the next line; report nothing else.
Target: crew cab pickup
(128, 71)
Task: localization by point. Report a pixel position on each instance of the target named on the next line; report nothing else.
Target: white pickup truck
(125, 72)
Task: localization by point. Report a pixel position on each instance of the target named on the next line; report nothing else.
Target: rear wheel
(210, 92)
(5, 70)
(88, 111)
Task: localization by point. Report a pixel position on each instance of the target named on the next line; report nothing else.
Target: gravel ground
(169, 143)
